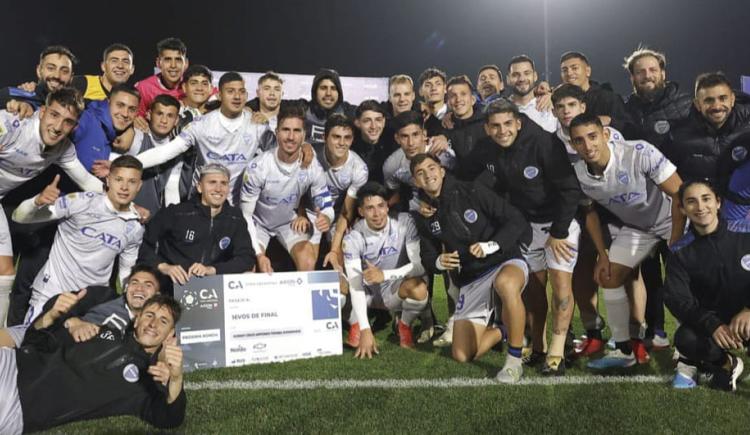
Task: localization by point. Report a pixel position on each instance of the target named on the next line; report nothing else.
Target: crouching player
(383, 264)
(480, 235)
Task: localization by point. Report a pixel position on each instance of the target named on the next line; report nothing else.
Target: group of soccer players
(499, 186)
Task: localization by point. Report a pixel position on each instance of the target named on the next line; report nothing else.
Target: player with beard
(522, 79)
(655, 105)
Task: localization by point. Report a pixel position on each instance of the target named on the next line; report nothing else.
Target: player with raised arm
(383, 268)
(27, 148)
(273, 187)
(226, 136)
(95, 229)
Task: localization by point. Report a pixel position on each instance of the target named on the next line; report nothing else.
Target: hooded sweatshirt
(316, 115)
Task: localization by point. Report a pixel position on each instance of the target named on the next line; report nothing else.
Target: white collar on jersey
(131, 213)
(286, 168)
(381, 231)
(231, 124)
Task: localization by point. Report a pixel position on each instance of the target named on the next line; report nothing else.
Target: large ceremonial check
(252, 318)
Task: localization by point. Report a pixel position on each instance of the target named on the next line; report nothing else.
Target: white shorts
(284, 233)
(6, 245)
(476, 300)
(17, 332)
(630, 246)
(386, 294)
(541, 257)
(316, 234)
(11, 414)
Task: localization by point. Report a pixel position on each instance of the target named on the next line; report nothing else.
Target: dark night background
(380, 38)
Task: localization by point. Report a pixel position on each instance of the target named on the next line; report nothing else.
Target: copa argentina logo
(109, 240)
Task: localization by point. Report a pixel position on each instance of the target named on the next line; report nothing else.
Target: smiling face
(648, 78)
(402, 97)
(197, 90)
(590, 141)
(371, 123)
(338, 142)
(269, 95)
(55, 71)
(428, 176)
(56, 122)
(123, 107)
(503, 128)
(700, 204)
(522, 78)
(214, 189)
(715, 104)
(141, 286)
(118, 67)
(172, 64)
(123, 185)
(290, 133)
(153, 325)
(327, 94)
(461, 100)
(574, 71)
(374, 210)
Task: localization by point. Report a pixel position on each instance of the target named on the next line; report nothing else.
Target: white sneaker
(444, 340)
(510, 374)
(613, 359)
(425, 335)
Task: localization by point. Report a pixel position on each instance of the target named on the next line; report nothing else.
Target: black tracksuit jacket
(534, 174)
(467, 213)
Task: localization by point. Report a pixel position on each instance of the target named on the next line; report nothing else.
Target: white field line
(344, 384)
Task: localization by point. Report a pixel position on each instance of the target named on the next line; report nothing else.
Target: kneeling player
(480, 234)
(381, 256)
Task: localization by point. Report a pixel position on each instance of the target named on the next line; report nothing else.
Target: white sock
(618, 313)
(411, 308)
(512, 361)
(6, 283)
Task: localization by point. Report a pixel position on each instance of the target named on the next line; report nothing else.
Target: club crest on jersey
(662, 126)
(639, 146)
(302, 176)
(131, 373)
(224, 243)
(345, 179)
(109, 240)
(739, 153)
(745, 262)
(530, 172)
(470, 215)
(622, 177)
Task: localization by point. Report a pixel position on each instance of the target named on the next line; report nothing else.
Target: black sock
(624, 347)
(594, 333)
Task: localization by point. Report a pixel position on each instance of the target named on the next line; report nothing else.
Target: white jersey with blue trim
(23, 155)
(385, 248)
(276, 188)
(396, 171)
(629, 186)
(343, 180)
(90, 235)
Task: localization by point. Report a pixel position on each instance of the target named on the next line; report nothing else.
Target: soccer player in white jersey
(94, 229)
(226, 136)
(274, 184)
(345, 173)
(383, 268)
(28, 147)
(411, 136)
(634, 181)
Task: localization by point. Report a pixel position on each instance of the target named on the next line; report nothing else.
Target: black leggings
(698, 348)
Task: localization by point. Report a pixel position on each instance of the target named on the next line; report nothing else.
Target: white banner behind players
(234, 320)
